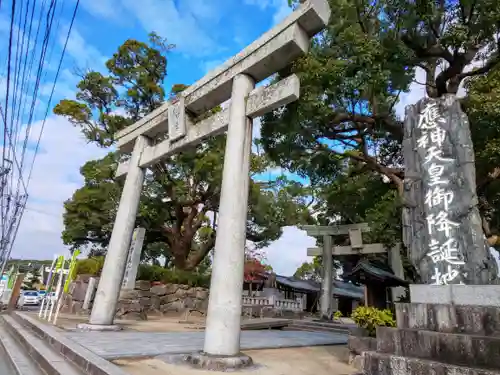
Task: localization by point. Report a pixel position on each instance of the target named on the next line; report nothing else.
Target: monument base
(477, 295)
(449, 329)
(201, 360)
(325, 318)
(87, 327)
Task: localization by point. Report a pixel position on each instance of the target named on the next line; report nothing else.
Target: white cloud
(282, 11)
(280, 8)
(105, 9)
(63, 150)
(209, 65)
(417, 92)
(189, 24)
(180, 27)
(202, 10)
(262, 4)
(287, 253)
(83, 54)
(494, 253)
(417, 88)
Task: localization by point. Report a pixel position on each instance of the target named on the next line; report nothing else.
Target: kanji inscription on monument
(442, 224)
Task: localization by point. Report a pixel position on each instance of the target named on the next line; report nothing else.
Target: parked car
(28, 298)
(50, 298)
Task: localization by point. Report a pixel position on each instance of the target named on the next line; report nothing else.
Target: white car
(29, 298)
(41, 294)
(50, 298)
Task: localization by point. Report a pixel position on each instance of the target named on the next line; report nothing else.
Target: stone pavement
(113, 345)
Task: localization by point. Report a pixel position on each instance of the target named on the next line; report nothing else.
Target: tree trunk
(442, 226)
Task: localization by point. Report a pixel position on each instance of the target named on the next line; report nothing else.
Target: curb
(83, 358)
(35, 351)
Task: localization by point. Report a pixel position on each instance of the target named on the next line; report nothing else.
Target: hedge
(93, 266)
(90, 266)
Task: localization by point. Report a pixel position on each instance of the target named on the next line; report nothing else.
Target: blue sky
(205, 33)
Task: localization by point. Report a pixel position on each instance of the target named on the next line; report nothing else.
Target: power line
(21, 100)
(53, 214)
(53, 87)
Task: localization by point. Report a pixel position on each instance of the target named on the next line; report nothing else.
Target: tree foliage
(310, 270)
(482, 105)
(180, 199)
(33, 281)
(313, 270)
(253, 270)
(351, 83)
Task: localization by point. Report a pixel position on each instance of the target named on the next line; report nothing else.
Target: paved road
(112, 345)
(30, 308)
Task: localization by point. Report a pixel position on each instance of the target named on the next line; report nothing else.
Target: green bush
(172, 276)
(337, 315)
(370, 318)
(91, 266)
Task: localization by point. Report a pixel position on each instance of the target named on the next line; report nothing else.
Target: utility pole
(7, 240)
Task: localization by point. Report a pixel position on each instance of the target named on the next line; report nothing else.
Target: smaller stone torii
(178, 123)
(356, 247)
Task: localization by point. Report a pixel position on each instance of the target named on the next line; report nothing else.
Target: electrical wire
(25, 71)
(53, 87)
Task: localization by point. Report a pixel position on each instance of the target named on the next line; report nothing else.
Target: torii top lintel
(273, 51)
(333, 230)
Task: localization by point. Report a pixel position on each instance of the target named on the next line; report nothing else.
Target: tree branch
(195, 257)
(478, 71)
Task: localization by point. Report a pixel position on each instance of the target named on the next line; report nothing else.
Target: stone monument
(134, 258)
(452, 325)
(441, 222)
(181, 124)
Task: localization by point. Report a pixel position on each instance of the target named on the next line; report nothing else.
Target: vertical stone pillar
(104, 308)
(134, 258)
(16, 291)
(326, 287)
(396, 263)
(89, 294)
(223, 326)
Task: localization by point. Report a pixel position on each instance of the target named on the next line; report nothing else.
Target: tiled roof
(377, 272)
(340, 288)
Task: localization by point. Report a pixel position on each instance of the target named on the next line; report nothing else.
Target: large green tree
(180, 200)
(352, 80)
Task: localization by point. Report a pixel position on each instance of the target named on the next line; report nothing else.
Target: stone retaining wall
(160, 299)
(144, 300)
(358, 344)
(73, 301)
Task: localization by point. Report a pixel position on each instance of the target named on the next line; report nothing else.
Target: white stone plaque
(177, 119)
(134, 258)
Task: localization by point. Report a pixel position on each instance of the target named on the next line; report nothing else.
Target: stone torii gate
(356, 247)
(234, 80)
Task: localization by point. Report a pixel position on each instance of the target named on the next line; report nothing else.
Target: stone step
(319, 323)
(324, 323)
(375, 363)
(39, 352)
(52, 337)
(17, 357)
(315, 326)
(452, 348)
(309, 329)
(476, 320)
